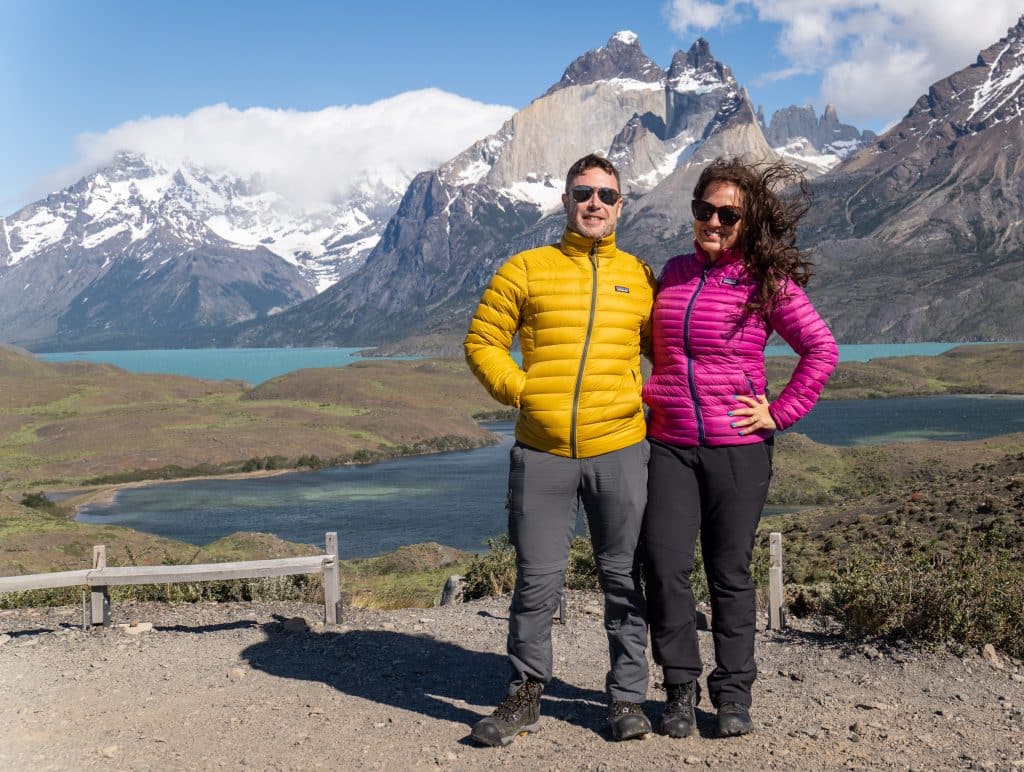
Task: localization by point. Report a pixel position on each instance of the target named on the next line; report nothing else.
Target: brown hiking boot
(518, 713)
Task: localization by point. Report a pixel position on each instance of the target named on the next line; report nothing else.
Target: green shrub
(39, 501)
(968, 596)
(494, 572)
(581, 573)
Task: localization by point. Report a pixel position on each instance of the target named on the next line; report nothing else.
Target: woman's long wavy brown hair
(775, 197)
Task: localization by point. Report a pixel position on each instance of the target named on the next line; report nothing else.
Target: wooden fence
(101, 577)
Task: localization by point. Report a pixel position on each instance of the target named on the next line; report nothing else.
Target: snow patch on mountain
(136, 197)
(544, 191)
(42, 229)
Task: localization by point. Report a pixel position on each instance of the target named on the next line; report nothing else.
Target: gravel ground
(266, 686)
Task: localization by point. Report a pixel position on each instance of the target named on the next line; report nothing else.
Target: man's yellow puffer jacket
(582, 310)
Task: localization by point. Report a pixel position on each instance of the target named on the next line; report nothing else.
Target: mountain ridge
(424, 256)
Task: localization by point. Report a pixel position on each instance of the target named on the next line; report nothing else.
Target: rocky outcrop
(950, 175)
(920, 233)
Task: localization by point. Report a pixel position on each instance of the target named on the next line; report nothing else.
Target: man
(582, 311)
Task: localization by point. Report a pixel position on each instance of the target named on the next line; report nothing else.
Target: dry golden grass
(974, 369)
(63, 424)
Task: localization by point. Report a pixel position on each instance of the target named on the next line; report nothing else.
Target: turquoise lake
(458, 498)
(452, 498)
(255, 365)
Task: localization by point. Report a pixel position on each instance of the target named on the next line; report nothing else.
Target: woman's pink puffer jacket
(708, 349)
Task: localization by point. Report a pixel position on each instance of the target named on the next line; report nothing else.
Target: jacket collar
(575, 245)
(728, 256)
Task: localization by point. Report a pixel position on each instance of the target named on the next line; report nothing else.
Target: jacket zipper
(689, 355)
(586, 348)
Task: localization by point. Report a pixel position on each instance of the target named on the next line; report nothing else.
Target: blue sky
(80, 76)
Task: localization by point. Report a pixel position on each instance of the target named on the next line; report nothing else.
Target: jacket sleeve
(796, 321)
(491, 331)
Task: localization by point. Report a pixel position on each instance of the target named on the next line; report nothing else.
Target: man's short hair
(592, 161)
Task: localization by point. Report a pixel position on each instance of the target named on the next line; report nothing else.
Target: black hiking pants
(717, 492)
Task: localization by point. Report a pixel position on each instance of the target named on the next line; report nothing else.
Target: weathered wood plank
(332, 580)
(43, 581)
(206, 572)
(776, 612)
(100, 607)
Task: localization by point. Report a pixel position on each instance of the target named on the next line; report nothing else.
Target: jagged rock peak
(697, 69)
(1014, 35)
(699, 53)
(620, 58)
(982, 95)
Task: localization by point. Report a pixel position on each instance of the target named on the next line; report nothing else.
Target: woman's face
(712, 235)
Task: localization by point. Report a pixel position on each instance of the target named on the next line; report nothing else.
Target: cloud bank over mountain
(874, 56)
(312, 157)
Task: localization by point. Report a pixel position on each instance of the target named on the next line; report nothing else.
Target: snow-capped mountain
(456, 224)
(918, 232)
(817, 144)
(134, 195)
(137, 217)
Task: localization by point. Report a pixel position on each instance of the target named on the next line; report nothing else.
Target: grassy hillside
(70, 424)
(975, 369)
(67, 425)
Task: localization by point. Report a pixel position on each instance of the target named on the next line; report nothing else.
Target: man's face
(592, 218)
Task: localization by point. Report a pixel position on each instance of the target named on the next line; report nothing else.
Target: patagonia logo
(733, 282)
(620, 288)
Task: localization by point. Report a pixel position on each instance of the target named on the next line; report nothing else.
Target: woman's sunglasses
(583, 193)
(727, 215)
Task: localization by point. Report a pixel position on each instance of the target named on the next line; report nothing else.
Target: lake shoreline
(70, 411)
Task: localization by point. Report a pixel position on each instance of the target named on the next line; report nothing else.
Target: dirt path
(251, 686)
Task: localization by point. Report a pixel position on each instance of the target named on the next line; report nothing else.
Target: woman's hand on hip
(754, 417)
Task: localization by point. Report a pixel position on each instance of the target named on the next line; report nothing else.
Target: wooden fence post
(776, 603)
(100, 608)
(332, 580)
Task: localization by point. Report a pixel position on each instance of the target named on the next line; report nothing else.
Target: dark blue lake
(458, 498)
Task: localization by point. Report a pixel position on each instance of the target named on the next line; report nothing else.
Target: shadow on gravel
(815, 638)
(242, 624)
(416, 673)
(33, 631)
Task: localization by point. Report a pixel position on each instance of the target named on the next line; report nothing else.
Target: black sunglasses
(582, 193)
(727, 215)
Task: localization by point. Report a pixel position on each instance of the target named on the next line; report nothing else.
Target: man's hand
(754, 416)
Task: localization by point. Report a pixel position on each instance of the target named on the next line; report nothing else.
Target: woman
(711, 424)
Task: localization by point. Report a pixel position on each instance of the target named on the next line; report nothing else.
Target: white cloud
(875, 58)
(310, 157)
(687, 15)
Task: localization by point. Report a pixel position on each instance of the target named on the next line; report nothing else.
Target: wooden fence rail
(101, 577)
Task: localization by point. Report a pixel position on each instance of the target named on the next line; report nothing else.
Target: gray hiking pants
(544, 495)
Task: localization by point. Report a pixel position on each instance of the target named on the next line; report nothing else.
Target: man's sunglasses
(583, 193)
(727, 215)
